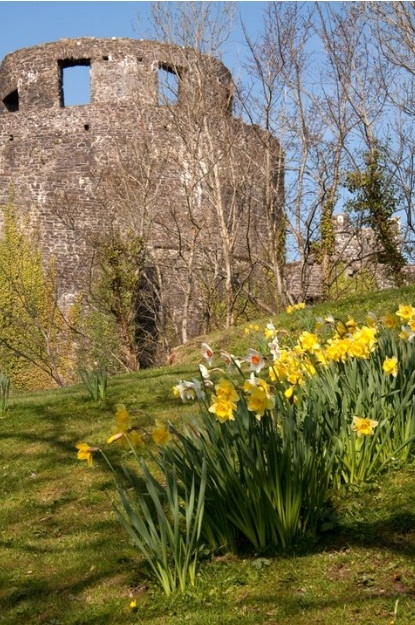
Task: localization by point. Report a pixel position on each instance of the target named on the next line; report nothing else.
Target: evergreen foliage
(375, 202)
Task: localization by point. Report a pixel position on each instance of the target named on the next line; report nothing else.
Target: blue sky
(25, 24)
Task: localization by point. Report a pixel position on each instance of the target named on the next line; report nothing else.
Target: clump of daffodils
(286, 367)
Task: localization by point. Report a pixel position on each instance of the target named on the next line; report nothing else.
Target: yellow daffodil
(259, 401)
(289, 394)
(161, 435)
(364, 427)
(125, 433)
(390, 366)
(390, 321)
(270, 331)
(122, 416)
(223, 409)
(85, 452)
(226, 390)
(309, 342)
(351, 325)
(405, 312)
(341, 329)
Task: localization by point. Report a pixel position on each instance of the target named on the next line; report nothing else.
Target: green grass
(65, 560)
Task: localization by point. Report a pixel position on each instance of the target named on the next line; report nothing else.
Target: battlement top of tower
(32, 77)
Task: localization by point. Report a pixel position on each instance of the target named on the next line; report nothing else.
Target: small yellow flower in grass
(223, 409)
(364, 427)
(390, 366)
(161, 435)
(133, 605)
(290, 309)
(405, 312)
(85, 452)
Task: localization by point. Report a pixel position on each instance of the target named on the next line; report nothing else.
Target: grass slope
(66, 561)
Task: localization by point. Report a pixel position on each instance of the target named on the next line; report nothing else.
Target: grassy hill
(65, 560)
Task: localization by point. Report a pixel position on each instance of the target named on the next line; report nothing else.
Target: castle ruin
(178, 170)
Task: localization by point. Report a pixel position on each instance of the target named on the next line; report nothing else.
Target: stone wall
(67, 166)
(354, 254)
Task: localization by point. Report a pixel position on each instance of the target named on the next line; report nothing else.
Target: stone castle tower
(177, 168)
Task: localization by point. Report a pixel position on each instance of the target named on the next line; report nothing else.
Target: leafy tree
(374, 203)
(34, 338)
(117, 319)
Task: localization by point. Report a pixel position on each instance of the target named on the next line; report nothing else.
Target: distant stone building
(132, 157)
(354, 265)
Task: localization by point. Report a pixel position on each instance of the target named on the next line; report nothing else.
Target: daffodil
(309, 342)
(255, 360)
(185, 390)
(230, 360)
(204, 372)
(371, 319)
(161, 435)
(351, 325)
(390, 366)
(406, 334)
(125, 433)
(390, 321)
(259, 401)
(207, 353)
(85, 452)
(274, 348)
(223, 409)
(405, 312)
(289, 394)
(364, 427)
(225, 390)
(270, 331)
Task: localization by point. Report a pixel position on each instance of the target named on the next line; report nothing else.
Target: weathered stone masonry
(50, 151)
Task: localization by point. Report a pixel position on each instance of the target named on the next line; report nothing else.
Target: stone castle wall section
(56, 159)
